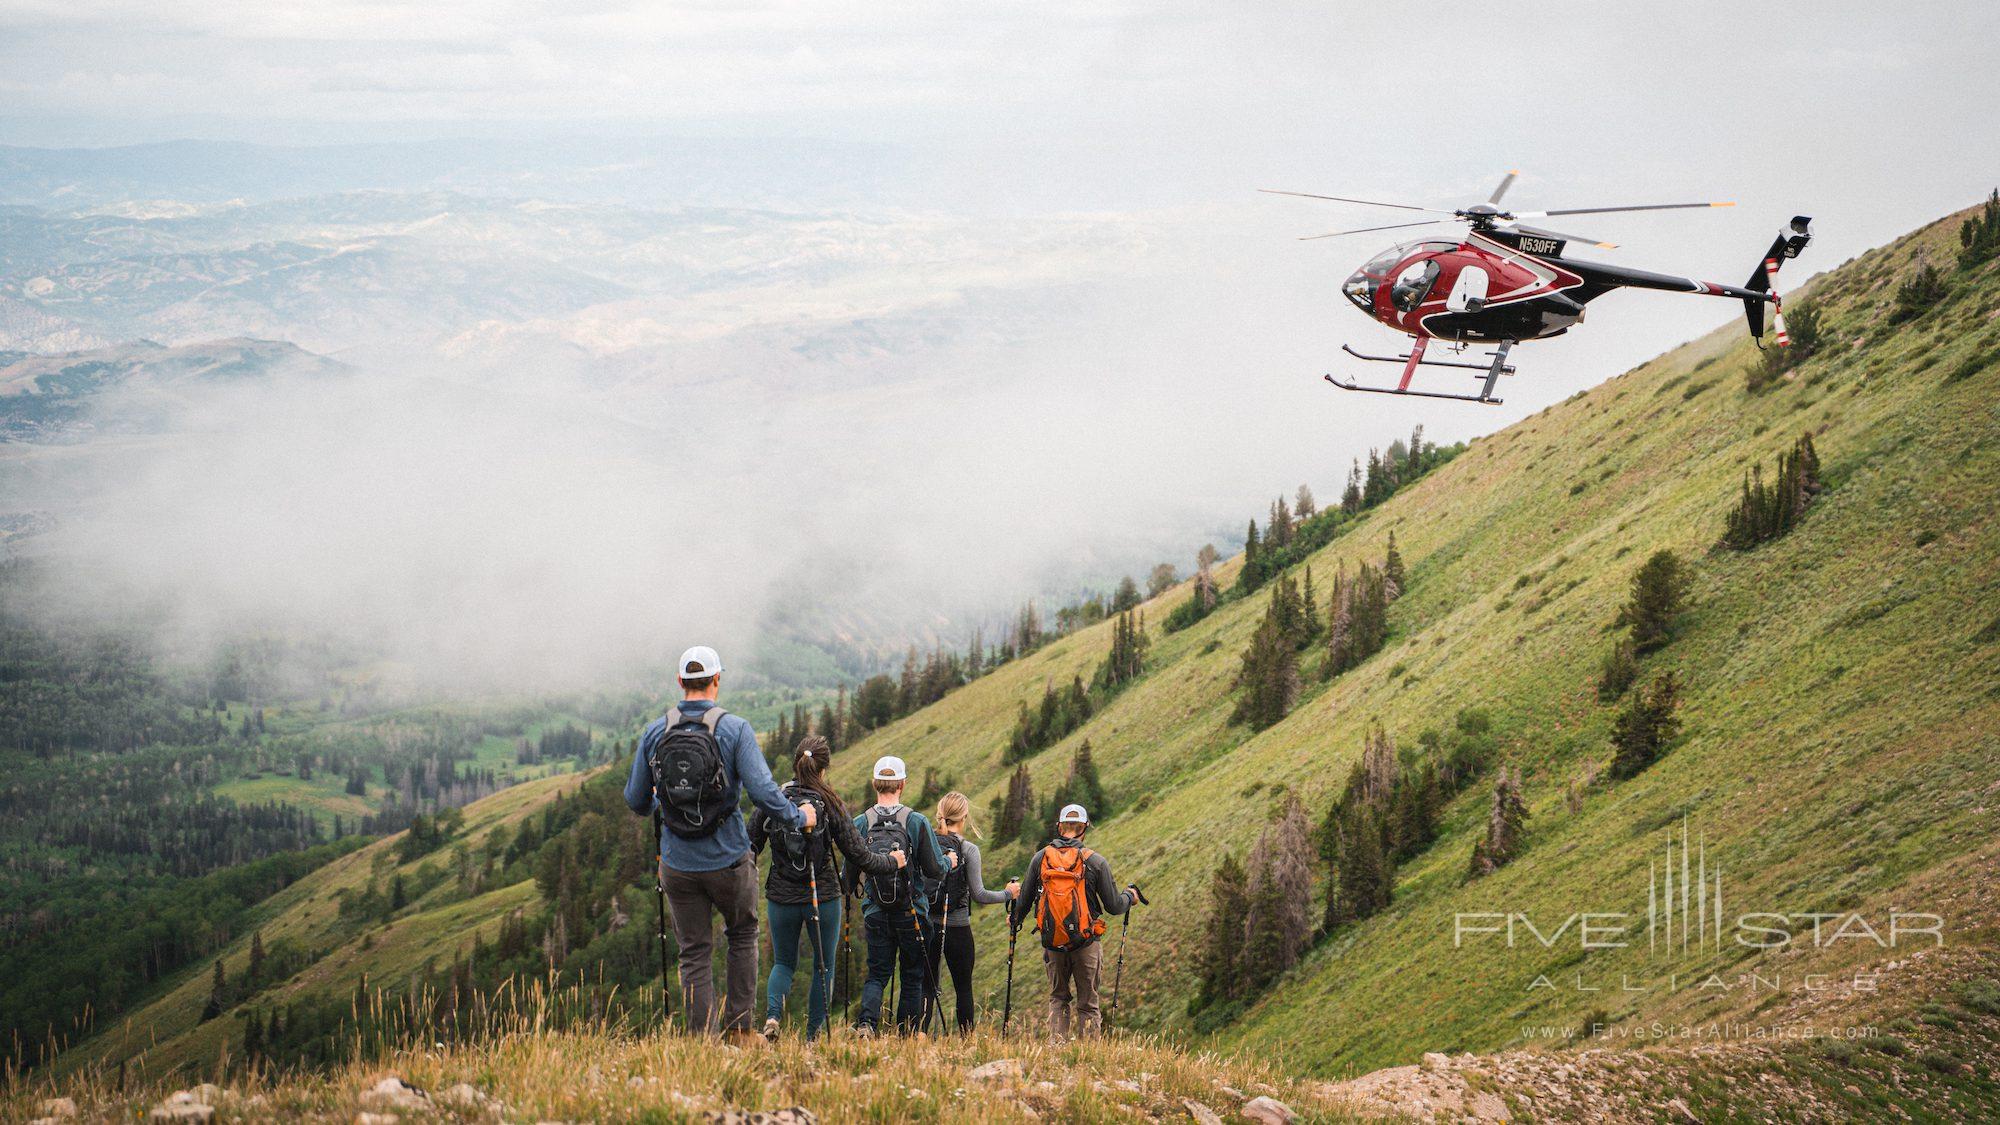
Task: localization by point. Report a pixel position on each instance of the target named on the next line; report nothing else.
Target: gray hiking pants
(732, 893)
(1074, 971)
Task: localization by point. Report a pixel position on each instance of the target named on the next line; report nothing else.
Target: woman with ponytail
(804, 876)
(951, 900)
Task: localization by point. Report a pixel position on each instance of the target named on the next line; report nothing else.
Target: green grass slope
(169, 1034)
(1840, 715)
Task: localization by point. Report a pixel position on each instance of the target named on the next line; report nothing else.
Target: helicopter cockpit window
(1413, 284)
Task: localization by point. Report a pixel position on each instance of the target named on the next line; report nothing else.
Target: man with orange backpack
(1070, 889)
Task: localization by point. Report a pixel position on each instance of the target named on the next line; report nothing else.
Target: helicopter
(1503, 281)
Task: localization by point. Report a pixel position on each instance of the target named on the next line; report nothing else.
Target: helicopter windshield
(1413, 284)
(1362, 287)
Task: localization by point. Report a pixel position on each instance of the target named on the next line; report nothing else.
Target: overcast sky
(1873, 118)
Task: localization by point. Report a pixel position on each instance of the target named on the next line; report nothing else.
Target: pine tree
(1021, 744)
(1269, 676)
(1350, 498)
(1126, 596)
(1223, 938)
(1659, 594)
(1252, 574)
(1646, 725)
(1126, 660)
(1279, 894)
(1363, 878)
(1339, 627)
(256, 958)
(398, 898)
(1396, 581)
(218, 993)
(1084, 787)
(1504, 821)
(1620, 668)
(1019, 806)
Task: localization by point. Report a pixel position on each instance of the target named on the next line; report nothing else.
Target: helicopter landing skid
(1416, 359)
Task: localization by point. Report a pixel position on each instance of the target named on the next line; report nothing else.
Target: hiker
(1075, 891)
(802, 893)
(689, 771)
(893, 910)
(951, 900)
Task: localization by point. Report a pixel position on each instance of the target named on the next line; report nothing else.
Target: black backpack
(890, 832)
(954, 891)
(796, 848)
(688, 778)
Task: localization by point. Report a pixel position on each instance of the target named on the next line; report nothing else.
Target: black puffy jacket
(792, 886)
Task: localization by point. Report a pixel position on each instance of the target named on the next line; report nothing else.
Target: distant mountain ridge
(43, 398)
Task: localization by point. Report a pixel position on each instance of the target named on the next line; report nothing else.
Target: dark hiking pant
(895, 944)
(951, 948)
(692, 896)
(1074, 971)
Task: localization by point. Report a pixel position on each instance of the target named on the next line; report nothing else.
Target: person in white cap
(689, 772)
(1070, 889)
(894, 915)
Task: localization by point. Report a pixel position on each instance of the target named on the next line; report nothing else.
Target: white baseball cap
(699, 663)
(889, 767)
(1073, 814)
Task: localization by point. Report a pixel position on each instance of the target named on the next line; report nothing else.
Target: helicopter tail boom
(1763, 279)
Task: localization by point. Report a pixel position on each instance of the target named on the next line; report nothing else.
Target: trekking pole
(660, 897)
(1007, 1009)
(1124, 928)
(928, 994)
(847, 953)
(820, 975)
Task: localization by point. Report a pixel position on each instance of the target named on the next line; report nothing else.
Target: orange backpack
(1063, 915)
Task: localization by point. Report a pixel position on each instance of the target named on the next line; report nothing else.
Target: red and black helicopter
(1503, 282)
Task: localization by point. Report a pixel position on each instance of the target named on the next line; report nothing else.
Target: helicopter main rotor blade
(1504, 185)
(1609, 210)
(1540, 232)
(1365, 230)
(1364, 202)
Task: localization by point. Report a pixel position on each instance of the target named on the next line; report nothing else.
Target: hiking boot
(742, 1037)
(864, 1031)
(771, 1030)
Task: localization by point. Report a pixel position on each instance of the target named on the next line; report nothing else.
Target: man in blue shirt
(713, 871)
(898, 931)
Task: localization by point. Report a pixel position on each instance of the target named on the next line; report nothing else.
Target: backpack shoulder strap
(712, 718)
(902, 817)
(674, 718)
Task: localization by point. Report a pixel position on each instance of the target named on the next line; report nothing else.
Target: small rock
(394, 1093)
(999, 1070)
(59, 1107)
(1230, 1090)
(467, 1096)
(183, 1105)
(1202, 1114)
(367, 1118)
(1434, 1060)
(1267, 1110)
(1681, 1111)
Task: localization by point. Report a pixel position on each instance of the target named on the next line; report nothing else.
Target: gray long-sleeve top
(975, 885)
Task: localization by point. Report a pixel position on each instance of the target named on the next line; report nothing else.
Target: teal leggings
(791, 926)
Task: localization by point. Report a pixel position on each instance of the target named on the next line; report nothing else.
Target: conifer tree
(1659, 594)
(1339, 627)
(1279, 919)
(1021, 744)
(1126, 596)
(1646, 725)
(256, 958)
(1223, 937)
(1269, 676)
(1252, 574)
(1083, 786)
(218, 993)
(1504, 821)
(1350, 498)
(1363, 879)
(1396, 581)
(1620, 668)
(1019, 806)
(1126, 660)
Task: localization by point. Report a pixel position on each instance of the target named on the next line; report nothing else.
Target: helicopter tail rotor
(1764, 279)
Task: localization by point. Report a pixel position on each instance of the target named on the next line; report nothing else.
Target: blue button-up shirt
(742, 763)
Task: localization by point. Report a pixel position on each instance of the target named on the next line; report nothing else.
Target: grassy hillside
(1838, 753)
(169, 1034)
(1840, 711)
